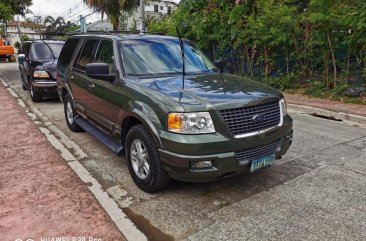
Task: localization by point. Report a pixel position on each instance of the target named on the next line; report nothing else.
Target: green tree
(8, 8)
(280, 40)
(6, 13)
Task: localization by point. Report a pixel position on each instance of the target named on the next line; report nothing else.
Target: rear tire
(70, 114)
(12, 58)
(35, 96)
(144, 162)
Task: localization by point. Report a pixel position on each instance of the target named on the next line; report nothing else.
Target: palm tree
(112, 8)
(54, 24)
(59, 22)
(49, 21)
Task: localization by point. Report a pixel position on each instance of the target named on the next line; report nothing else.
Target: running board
(100, 135)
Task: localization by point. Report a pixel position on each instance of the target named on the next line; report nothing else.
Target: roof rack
(117, 32)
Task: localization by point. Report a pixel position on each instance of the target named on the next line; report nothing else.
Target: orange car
(6, 51)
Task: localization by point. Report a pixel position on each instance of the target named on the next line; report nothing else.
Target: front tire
(70, 114)
(35, 96)
(23, 82)
(143, 160)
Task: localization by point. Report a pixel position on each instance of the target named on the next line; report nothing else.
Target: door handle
(91, 86)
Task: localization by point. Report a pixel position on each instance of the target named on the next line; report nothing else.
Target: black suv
(162, 102)
(38, 67)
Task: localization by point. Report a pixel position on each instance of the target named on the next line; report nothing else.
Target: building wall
(12, 33)
(150, 11)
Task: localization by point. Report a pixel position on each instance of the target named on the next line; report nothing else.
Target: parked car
(189, 123)
(37, 65)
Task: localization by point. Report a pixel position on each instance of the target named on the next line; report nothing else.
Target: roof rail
(116, 32)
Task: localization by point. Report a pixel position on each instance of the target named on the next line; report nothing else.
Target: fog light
(201, 164)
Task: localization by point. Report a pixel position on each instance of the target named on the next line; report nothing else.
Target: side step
(100, 135)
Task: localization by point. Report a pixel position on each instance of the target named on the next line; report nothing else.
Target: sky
(69, 9)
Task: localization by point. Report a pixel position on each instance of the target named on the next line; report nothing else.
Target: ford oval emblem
(258, 117)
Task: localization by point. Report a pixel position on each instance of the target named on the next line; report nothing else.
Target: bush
(316, 89)
(280, 82)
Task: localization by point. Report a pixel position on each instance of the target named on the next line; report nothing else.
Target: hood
(47, 65)
(213, 91)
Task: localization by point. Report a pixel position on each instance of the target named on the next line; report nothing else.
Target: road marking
(65, 153)
(11, 91)
(124, 224)
(71, 145)
(120, 219)
(2, 79)
(120, 196)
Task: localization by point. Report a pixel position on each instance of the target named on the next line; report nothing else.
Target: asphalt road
(316, 192)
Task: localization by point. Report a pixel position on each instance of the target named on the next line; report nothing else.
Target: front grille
(241, 120)
(253, 153)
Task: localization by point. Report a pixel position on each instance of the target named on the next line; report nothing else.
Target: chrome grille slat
(253, 153)
(240, 121)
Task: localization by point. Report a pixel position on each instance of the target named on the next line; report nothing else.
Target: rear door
(79, 81)
(64, 64)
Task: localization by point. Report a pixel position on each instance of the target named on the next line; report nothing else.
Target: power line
(69, 16)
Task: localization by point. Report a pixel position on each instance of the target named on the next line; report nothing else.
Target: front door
(102, 106)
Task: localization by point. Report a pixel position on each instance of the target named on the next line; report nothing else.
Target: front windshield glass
(42, 51)
(162, 56)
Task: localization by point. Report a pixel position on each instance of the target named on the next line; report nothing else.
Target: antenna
(181, 43)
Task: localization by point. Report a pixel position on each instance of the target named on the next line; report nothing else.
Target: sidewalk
(329, 105)
(40, 195)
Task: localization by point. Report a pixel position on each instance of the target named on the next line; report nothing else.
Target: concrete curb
(119, 218)
(327, 113)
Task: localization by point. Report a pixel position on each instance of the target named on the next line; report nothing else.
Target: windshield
(42, 51)
(162, 56)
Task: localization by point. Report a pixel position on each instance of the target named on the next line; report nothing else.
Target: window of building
(161, 8)
(156, 8)
(169, 10)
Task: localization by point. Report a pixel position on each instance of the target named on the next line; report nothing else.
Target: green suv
(162, 102)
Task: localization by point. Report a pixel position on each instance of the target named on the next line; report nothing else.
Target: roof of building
(25, 24)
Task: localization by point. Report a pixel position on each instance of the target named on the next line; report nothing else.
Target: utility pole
(142, 15)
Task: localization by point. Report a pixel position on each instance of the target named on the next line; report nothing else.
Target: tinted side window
(86, 55)
(105, 53)
(67, 52)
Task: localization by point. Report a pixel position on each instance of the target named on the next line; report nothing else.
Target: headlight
(40, 74)
(283, 107)
(191, 123)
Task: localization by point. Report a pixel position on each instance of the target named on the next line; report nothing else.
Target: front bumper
(225, 163)
(45, 87)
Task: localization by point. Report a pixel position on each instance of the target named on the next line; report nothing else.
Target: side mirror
(220, 64)
(99, 71)
(21, 58)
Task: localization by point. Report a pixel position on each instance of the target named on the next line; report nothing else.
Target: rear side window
(67, 52)
(86, 55)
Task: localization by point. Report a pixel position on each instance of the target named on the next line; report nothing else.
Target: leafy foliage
(8, 8)
(280, 42)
